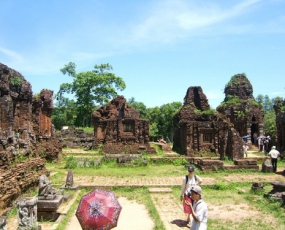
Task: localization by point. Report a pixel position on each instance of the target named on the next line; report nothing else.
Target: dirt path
(132, 216)
(102, 181)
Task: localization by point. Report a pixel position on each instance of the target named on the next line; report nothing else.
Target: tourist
(266, 145)
(255, 138)
(199, 209)
(260, 143)
(274, 154)
(245, 148)
(189, 181)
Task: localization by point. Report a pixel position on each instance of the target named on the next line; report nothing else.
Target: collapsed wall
(70, 137)
(27, 137)
(118, 128)
(198, 129)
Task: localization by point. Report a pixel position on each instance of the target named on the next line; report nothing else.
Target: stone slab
(66, 197)
(39, 227)
(50, 205)
(160, 190)
(74, 187)
(47, 216)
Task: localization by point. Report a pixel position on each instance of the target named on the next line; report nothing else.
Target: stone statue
(46, 191)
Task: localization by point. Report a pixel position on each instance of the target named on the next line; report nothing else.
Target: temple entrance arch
(254, 129)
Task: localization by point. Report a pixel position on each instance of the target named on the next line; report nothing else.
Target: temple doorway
(254, 131)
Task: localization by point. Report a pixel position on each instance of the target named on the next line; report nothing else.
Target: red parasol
(98, 210)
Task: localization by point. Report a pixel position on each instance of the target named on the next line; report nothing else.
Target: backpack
(195, 177)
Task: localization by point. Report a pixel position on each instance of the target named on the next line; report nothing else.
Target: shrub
(180, 161)
(71, 163)
(15, 81)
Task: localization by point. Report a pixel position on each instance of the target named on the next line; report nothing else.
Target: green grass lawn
(223, 197)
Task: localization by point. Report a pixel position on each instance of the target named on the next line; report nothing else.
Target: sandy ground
(133, 216)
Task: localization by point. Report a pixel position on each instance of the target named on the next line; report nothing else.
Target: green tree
(153, 117)
(64, 113)
(276, 99)
(90, 88)
(269, 113)
(139, 106)
(260, 98)
(166, 119)
(270, 123)
(267, 104)
(161, 120)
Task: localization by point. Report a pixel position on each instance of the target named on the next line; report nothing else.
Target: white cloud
(277, 93)
(174, 19)
(14, 56)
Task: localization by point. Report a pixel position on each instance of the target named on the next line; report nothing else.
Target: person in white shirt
(245, 148)
(260, 143)
(199, 209)
(189, 181)
(274, 154)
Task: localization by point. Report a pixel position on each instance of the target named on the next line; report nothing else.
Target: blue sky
(159, 47)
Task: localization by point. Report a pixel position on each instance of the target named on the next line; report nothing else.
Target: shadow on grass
(180, 223)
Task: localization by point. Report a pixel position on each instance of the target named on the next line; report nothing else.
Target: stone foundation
(47, 209)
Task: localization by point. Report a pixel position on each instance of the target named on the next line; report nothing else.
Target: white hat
(197, 189)
(273, 147)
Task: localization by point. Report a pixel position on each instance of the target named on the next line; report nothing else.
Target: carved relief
(27, 214)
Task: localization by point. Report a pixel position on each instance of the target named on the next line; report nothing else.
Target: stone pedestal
(278, 191)
(47, 209)
(74, 187)
(27, 214)
(267, 166)
(257, 186)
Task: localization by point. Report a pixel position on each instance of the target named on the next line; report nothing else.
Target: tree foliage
(139, 106)
(64, 113)
(269, 113)
(161, 118)
(90, 88)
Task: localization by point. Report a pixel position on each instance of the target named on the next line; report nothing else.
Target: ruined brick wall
(25, 120)
(41, 113)
(196, 96)
(199, 129)
(241, 109)
(15, 99)
(26, 133)
(46, 112)
(75, 138)
(118, 127)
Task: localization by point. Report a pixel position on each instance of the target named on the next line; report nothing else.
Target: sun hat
(191, 169)
(197, 189)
